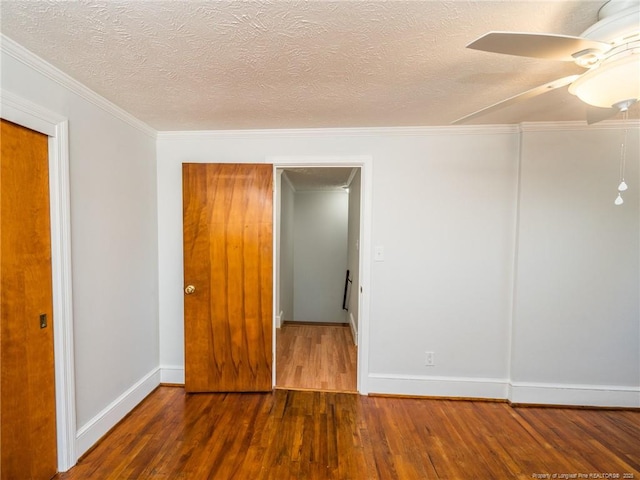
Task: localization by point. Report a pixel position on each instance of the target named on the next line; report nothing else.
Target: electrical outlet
(429, 359)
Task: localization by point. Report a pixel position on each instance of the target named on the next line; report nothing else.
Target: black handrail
(347, 282)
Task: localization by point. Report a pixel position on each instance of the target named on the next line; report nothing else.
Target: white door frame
(23, 112)
(365, 163)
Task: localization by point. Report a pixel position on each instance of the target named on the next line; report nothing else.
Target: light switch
(378, 254)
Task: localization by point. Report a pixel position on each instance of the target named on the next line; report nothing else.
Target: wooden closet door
(28, 390)
(227, 227)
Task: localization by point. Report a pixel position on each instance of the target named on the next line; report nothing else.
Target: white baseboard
(575, 395)
(279, 318)
(421, 385)
(172, 374)
(515, 392)
(463, 387)
(98, 426)
(354, 328)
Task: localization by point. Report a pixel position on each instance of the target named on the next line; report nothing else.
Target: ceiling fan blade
(534, 92)
(538, 45)
(597, 114)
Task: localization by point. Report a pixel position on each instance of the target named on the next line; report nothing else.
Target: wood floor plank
(316, 357)
(327, 435)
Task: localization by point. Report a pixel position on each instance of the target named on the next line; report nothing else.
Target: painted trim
(275, 268)
(523, 393)
(574, 395)
(428, 386)
(364, 286)
(365, 163)
(109, 417)
(63, 295)
(577, 126)
(513, 276)
(354, 329)
(172, 374)
(21, 54)
(25, 113)
(339, 132)
(482, 388)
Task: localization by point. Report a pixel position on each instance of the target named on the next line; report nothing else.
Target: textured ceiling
(200, 65)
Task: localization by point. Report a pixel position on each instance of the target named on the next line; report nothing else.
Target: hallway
(316, 357)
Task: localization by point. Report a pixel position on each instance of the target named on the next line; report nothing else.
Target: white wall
(319, 255)
(353, 250)
(286, 248)
(445, 209)
(577, 317)
(114, 238)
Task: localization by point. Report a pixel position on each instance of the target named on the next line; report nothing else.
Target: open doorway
(318, 224)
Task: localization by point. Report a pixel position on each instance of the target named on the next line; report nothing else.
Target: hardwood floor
(322, 436)
(316, 357)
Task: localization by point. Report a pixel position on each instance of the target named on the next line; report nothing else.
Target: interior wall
(113, 238)
(576, 316)
(444, 204)
(353, 250)
(286, 248)
(445, 210)
(319, 255)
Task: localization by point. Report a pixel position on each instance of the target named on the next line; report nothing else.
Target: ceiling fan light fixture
(587, 58)
(614, 81)
(624, 105)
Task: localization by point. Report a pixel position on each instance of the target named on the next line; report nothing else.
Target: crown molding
(340, 132)
(396, 131)
(576, 126)
(28, 58)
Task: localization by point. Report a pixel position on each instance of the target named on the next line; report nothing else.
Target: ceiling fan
(609, 51)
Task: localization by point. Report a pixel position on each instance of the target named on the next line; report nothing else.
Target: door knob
(189, 289)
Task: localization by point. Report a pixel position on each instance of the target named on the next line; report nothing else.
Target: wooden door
(27, 397)
(227, 227)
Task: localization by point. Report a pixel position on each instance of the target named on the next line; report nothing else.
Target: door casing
(27, 114)
(365, 163)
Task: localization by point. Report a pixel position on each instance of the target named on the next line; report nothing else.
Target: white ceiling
(201, 65)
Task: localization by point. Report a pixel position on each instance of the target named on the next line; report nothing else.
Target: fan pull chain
(622, 186)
